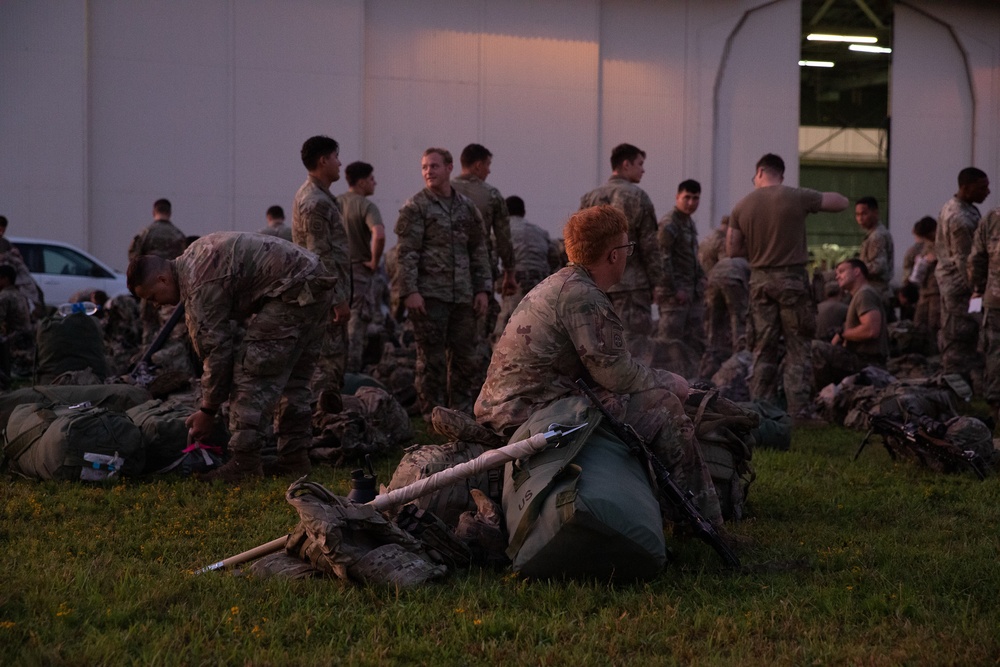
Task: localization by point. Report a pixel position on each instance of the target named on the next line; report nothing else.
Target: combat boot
(243, 465)
(291, 464)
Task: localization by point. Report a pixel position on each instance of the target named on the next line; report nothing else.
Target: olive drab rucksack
(726, 435)
(47, 441)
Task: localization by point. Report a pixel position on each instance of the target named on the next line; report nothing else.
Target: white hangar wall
(107, 105)
(945, 107)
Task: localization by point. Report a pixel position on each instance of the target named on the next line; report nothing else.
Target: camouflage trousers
(683, 321)
(525, 283)
(927, 315)
(833, 363)
(446, 365)
(362, 311)
(958, 337)
(328, 378)
(781, 306)
(726, 303)
(658, 416)
(272, 368)
(991, 349)
(635, 309)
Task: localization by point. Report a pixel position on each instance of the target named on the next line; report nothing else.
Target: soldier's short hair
(3, 222)
(868, 201)
(925, 227)
(623, 152)
(773, 163)
(276, 212)
(690, 185)
(316, 147)
(590, 232)
(444, 153)
(970, 175)
(143, 269)
(474, 153)
(857, 264)
(831, 289)
(515, 205)
(9, 272)
(161, 207)
(357, 171)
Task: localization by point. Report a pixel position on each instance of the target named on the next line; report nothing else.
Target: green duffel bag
(584, 508)
(46, 441)
(164, 433)
(775, 429)
(114, 397)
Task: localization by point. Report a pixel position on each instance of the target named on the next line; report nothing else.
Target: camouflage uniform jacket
(712, 249)
(15, 319)
(531, 249)
(678, 240)
(953, 243)
(161, 238)
(647, 268)
(317, 227)
(281, 230)
(226, 277)
(984, 261)
(496, 219)
(876, 252)
(442, 252)
(564, 329)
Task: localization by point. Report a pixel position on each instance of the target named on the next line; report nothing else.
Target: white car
(62, 270)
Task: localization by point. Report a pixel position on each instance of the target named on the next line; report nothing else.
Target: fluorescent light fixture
(867, 48)
(859, 39)
(815, 63)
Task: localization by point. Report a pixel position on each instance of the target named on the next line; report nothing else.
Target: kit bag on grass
(47, 441)
(584, 508)
(164, 432)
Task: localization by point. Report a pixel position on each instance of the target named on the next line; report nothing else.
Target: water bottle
(81, 307)
(363, 484)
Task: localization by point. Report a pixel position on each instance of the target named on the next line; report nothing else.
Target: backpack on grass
(46, 441)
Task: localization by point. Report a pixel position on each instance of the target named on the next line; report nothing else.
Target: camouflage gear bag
(448, 504)
(725, 433)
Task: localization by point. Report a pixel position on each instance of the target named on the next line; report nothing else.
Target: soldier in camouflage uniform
(566, 329)
(443, 276)
(280, 293)
(876, 248)
(276, 223)
(682, 316)
(535, 257)
(16, 331)
(162, 239)
(727, 301)
(317, 226)
(768, 227)
(366, 234)
(956, 227)
(984, 276)
(633, 296)
(476, 160)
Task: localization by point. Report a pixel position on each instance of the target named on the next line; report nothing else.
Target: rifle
(922, 439)
(140, 371)
(678, 499)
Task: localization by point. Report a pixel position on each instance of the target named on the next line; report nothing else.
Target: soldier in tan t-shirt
(768, 227)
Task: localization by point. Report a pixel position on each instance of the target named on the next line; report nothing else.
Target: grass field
(869, 562)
